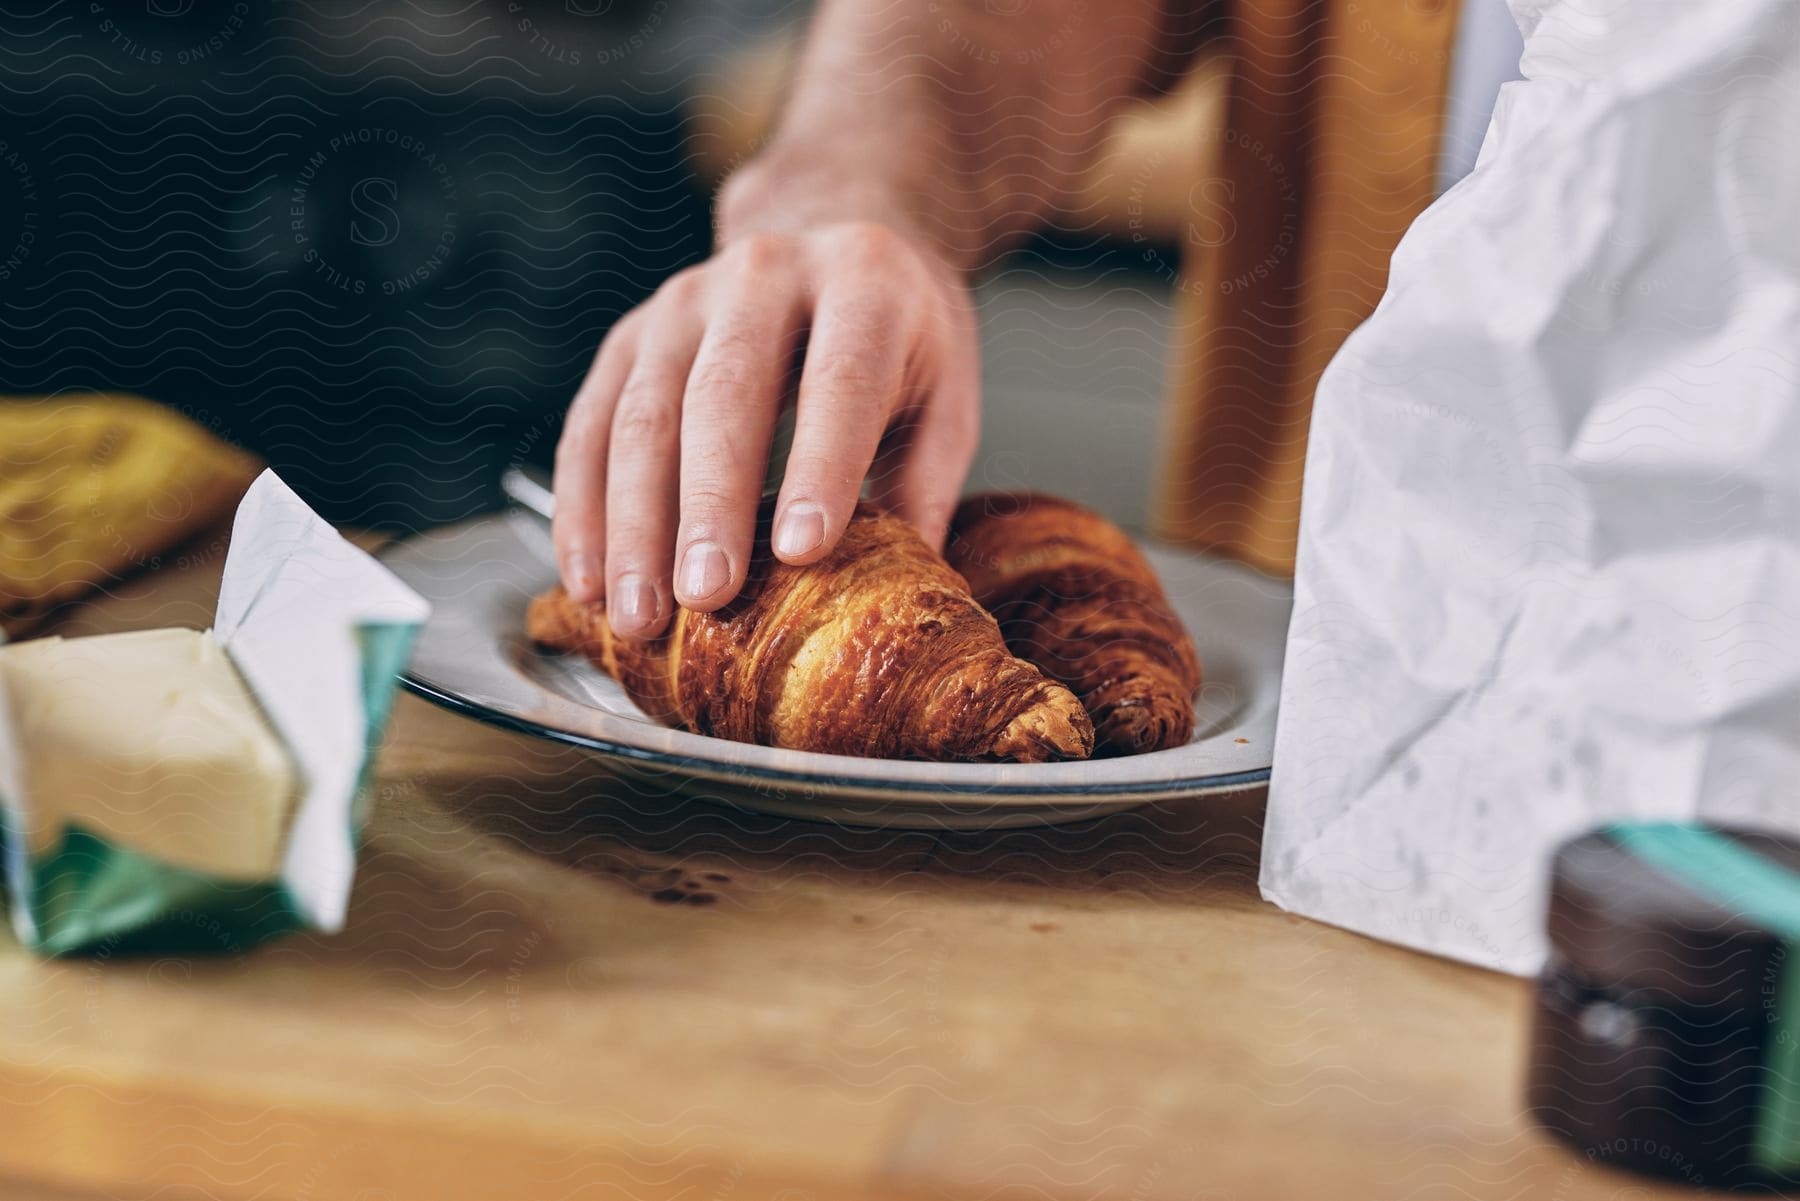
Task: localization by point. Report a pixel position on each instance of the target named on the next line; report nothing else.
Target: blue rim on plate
(523, 725)
(472, 658)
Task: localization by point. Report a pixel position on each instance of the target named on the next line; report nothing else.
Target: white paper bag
(1549, 567)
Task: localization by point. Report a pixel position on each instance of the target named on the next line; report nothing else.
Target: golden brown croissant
(877, 650)
(1073, 595)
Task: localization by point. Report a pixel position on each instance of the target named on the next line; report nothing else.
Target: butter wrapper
(319, 632)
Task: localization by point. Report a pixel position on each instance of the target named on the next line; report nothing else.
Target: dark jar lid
(1667, 1030)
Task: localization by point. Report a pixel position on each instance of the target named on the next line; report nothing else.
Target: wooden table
(554, 985)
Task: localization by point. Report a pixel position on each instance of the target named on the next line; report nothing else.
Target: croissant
(877, 650)
(1073, 595)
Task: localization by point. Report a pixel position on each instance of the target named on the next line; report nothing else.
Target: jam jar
(1667, 1026)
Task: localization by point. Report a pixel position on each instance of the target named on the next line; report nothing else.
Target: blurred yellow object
(96, 485)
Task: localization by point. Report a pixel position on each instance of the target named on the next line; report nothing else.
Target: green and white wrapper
(319, 631)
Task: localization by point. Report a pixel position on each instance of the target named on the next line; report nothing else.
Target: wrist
(790, 190)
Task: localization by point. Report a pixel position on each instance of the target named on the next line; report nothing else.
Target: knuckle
(725, 374)
(719, 474)
(704, 505)
(869, 242)
(871, 315)
(684, 287)
(761, 253)
(747, 345)
(712, 458)
(708, 496)
(741, 191)
(643, 420)
(846, 378)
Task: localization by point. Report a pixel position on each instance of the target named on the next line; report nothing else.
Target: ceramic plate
(473, 657)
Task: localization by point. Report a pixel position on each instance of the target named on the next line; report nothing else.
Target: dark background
(375, 243)
(378, 241)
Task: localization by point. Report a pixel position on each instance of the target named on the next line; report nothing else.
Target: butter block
(152, 741)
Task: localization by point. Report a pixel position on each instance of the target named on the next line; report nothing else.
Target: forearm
(921, 135)
(963, 127)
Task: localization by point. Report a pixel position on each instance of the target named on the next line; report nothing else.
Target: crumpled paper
(1549, 570)
(320, 632)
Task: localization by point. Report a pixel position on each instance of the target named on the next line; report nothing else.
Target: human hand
(662, 460)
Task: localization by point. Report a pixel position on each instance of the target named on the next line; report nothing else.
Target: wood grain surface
(554, 984)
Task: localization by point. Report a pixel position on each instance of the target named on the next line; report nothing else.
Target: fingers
(850, 384)
(728, 420)
(642, 471)
(660, 467)
(920, 471)
(578, 527)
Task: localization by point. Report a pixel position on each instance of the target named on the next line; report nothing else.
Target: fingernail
(634, 603)
(800, 530)
(704, 570)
